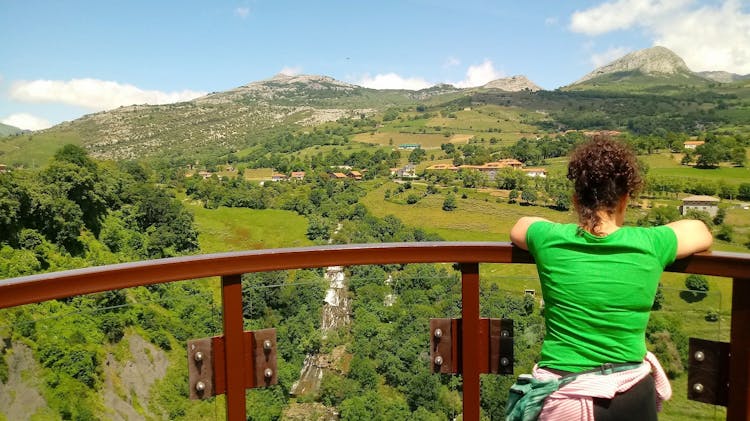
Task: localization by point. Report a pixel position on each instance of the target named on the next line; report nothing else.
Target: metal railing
(230, 267)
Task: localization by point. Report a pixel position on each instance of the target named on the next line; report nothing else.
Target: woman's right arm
(692, 236)
(518, 232)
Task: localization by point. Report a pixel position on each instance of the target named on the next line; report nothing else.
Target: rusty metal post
(231, 296)
(739, 361)
(470, 339)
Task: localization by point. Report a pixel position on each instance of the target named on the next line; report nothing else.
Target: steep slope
(220, 121)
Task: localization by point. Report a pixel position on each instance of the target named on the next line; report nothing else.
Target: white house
(708, 204)
(536, 172)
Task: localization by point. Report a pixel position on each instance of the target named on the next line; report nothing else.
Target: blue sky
(63, 59)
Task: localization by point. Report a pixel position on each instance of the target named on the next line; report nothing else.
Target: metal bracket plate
(708, 371)
(495, 342)
(200, 368)
(207, 366)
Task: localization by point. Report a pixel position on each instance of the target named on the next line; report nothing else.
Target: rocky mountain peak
(311, 81)
(513, 84)
(650, 61)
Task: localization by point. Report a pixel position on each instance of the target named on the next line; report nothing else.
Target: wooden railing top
(55, 285)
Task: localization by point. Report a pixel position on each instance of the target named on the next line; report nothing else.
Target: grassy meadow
(14, 149)
(504, 123)
(234, 229)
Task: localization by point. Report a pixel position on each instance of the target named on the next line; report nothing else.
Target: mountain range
(251, 113)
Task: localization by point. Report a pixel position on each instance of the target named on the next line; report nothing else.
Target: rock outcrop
(513, 84)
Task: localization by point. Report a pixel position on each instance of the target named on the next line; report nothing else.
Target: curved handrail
(55, 285)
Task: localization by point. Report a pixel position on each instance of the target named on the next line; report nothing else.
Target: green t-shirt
(598, 291)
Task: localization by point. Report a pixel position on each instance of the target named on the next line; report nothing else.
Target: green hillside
(6, 130)
(636, 81)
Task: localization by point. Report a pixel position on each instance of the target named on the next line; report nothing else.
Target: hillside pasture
(425, 140)
(479, 217)
(234, 229)
(484, 118)
(35, 149)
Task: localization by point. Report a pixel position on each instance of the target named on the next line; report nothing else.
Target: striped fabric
(575, 400)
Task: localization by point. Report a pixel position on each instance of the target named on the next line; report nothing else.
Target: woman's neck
(607, 225)
(610, 222)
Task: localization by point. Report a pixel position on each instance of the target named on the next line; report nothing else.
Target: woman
(599, 279)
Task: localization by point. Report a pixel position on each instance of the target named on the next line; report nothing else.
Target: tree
(743, 192)
(738, 156)
(725, 233)
(417, 155)
(448, 148)
(720, 215)
(318, 228)
(659, 216)
(529, 196)
(659, 298)
(688, 158)
(562, 201)
(512, 196)
(697, 286)
(449, 203)
(390, 114)
(709, 155)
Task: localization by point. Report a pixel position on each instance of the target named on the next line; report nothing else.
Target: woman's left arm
(518, 232)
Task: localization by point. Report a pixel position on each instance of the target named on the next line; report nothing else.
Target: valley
(217, 174)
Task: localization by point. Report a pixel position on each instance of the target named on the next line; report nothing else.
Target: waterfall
(335, 315)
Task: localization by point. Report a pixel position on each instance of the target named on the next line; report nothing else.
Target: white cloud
(451, 62)
(290, 70)
(93, 94)
(392, 81)
(600, 59)
(26, 121)
(707, 37)
(622, 14)
(710, 38)
(551, 21)
(242, 12)
(479, 75)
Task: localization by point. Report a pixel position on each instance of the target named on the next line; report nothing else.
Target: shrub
(697, 286)
(695, 282)
(725, 233)
(712, 316)
(449, 203)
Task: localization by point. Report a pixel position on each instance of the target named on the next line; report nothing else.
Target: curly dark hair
(602, 171)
